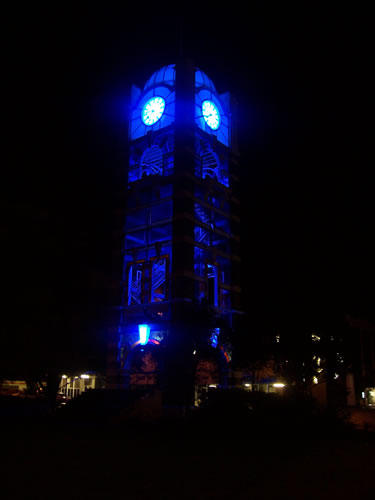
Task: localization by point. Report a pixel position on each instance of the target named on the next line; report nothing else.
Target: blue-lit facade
(181, 241)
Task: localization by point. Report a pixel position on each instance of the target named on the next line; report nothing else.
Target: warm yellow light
(315, 380)
(279, 384)
(85, 376)
(213, 386)
(64, 376)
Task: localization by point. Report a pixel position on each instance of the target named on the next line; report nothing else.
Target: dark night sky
(302, 79)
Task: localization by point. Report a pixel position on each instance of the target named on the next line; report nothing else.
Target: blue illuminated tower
(181, 234)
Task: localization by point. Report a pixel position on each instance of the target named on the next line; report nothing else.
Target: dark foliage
(261, 415)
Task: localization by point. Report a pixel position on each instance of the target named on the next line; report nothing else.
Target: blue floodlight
(214, 337)
(152, 111)
(144, 334)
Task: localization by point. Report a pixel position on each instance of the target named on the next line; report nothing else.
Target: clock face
(211, 114)
(153, 110)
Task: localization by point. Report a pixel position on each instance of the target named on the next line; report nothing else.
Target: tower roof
(167, 75)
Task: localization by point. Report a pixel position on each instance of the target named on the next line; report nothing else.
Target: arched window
(210, 165)
(151, 162)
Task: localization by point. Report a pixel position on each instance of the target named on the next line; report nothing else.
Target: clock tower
(181, 258)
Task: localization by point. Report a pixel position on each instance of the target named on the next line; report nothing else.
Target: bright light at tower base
(144, 334)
